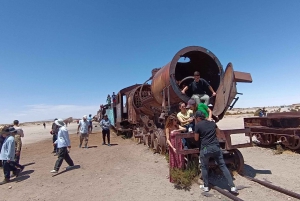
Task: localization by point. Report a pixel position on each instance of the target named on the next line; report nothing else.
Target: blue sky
(62, 58)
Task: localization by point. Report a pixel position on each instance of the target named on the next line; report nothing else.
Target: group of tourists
(196, 117)
(11, 146)
(62, 141)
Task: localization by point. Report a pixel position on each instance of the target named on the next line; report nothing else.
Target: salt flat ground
(127, 171)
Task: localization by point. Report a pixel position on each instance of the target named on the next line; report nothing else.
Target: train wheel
(144, 139)
(268, 140)
(295, 145)
(238, 161)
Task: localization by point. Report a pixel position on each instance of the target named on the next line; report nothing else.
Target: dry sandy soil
(127, 171)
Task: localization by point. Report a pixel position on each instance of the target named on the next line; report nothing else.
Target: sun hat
(84, 116)
(60, 122)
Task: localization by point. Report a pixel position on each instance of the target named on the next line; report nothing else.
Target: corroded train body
(141, 105)
(141, 109)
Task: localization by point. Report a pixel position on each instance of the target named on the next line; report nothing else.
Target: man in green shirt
(205, 109)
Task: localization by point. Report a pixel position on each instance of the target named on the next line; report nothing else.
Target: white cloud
(46, 112)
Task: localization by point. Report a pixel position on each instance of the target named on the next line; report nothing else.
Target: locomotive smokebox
(178, 74)
(169, 80)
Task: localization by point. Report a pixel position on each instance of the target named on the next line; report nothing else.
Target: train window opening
(198, 61)
(124, 101)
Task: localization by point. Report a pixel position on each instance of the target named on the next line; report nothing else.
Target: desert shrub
(184, 178)
(167, 157)
(256, 113)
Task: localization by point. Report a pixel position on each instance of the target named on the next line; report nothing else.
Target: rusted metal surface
(276, 188)
(284, 114)
(172, 73)
(282, 127)
(242, 77)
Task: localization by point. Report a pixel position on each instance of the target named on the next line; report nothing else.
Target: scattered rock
(219, 196)
(156, 161)
(9, 187)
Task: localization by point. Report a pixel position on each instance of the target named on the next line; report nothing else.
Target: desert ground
(130, 171)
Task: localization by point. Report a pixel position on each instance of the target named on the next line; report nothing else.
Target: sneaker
(54, 171)
(234, 190)
(53, 152)
(86, 147)
(109, 145)
(5, 181)
(69, 167)
(103, 143)
(80, 146)
(17, 172)
(205, 189)
(185, 148)
(22, 168)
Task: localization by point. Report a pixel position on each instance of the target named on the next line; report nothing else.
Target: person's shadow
(218, 179)
(69, 169)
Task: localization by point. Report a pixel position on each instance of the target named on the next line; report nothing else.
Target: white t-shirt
(19, 131)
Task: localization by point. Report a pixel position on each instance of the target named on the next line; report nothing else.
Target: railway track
(263, 183)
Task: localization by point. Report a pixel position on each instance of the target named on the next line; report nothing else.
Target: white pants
(197, 98)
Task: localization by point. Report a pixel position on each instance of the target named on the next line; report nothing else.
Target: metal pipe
(226, 193)
(276, 188)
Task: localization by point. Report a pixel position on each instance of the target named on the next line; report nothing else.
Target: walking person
(44, 125)
(209, 146)
(63, 144)
(18, 139)
(84, 135)
(199, 89)
(90, 121)
(172, 129)
(7, 155)
(54, 132)
(105, 125)
(13, 133)
(1, 143)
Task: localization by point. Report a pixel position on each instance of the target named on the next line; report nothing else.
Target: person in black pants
(54, 131)
(62, 143)
(105, 125)
(210, 148)
(1, 142)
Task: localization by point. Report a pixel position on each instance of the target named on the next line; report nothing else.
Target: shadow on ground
(66, 170)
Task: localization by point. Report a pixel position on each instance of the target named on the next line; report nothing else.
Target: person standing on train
(114, 98)
(198, 88)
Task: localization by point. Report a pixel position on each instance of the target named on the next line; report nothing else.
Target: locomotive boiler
(141, 109)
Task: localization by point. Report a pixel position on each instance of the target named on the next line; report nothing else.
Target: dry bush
(184, 178)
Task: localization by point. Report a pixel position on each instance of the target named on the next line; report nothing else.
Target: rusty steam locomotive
(141, 109)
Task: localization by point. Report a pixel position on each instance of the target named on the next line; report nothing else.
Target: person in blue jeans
(7, 155)
(205, 133)
(105, 125)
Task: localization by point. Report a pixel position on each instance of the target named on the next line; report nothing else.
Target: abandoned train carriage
(141, 107)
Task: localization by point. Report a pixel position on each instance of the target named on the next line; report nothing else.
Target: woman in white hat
(63, 143)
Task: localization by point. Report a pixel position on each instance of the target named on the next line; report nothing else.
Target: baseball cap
(200, 114)
(191, 102)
